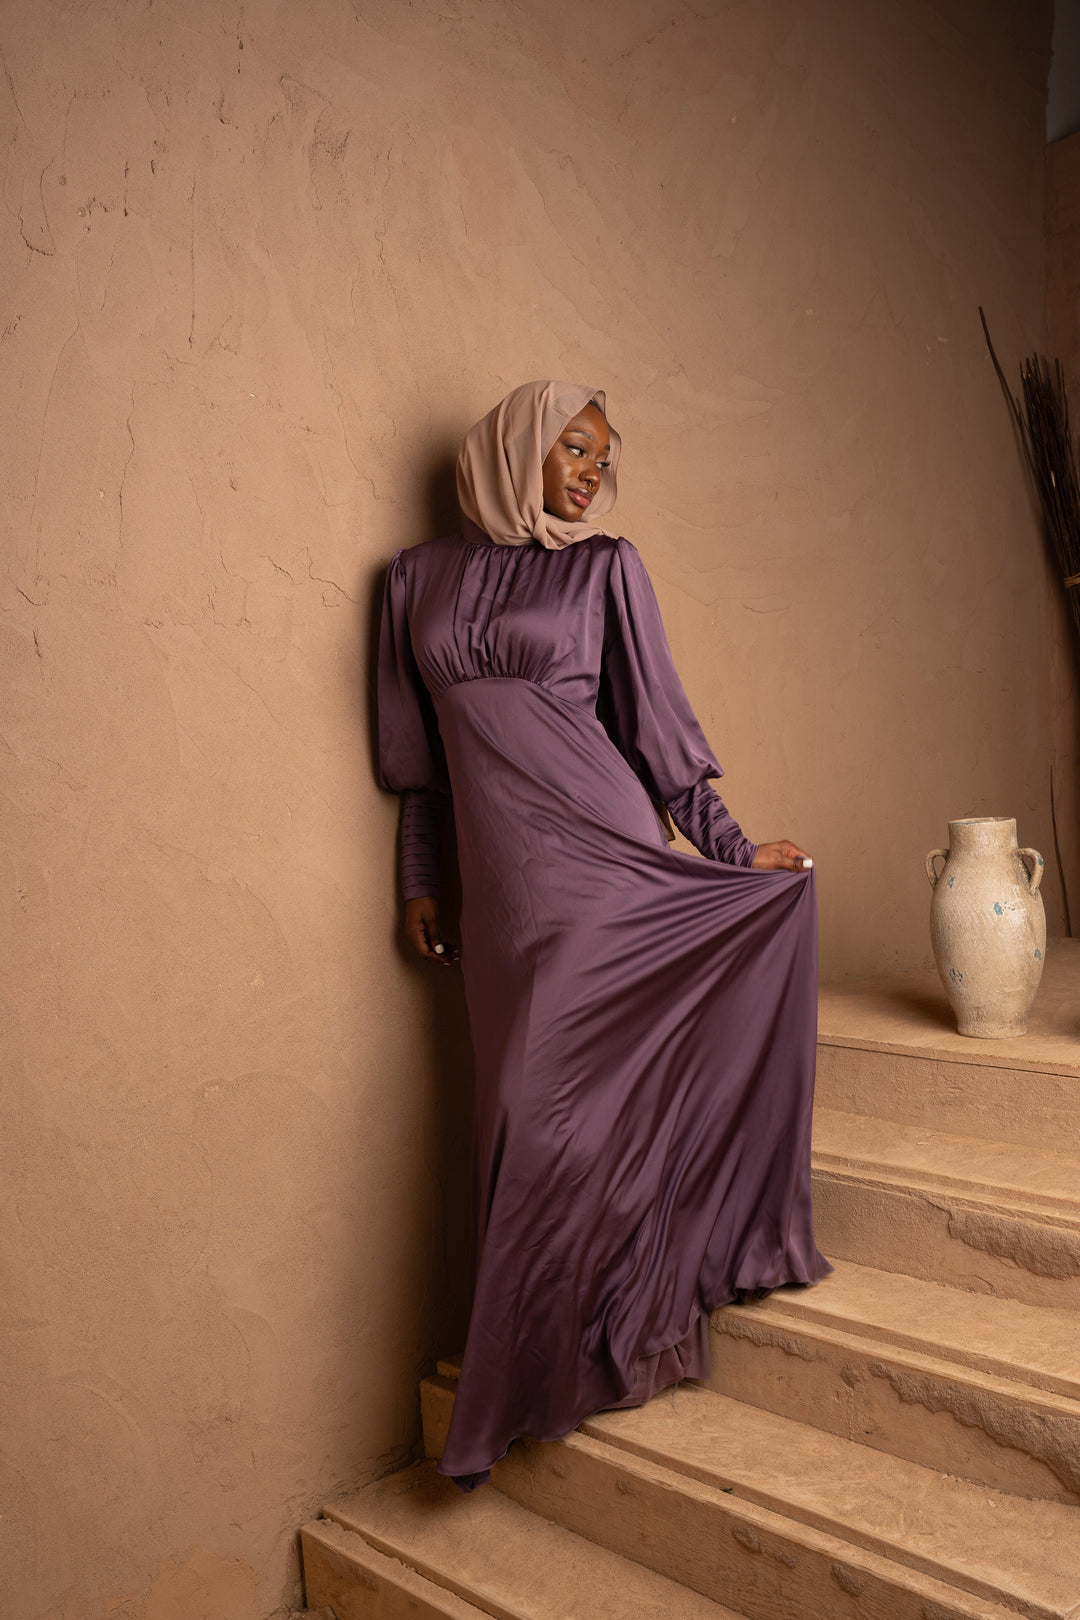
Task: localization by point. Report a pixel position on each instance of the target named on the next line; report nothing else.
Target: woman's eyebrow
(585, 434)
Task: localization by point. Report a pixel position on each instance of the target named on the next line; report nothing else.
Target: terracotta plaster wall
(262, 265)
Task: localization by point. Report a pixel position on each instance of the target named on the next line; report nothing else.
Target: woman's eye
(575, 449)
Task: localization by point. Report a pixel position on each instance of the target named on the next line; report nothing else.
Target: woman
(643, 1021)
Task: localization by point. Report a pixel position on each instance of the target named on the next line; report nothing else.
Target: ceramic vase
(987, 925)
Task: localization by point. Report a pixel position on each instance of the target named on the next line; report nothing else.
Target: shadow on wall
(446, 1118)
(442, 503)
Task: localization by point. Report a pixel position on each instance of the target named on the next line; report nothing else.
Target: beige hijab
(499, 476)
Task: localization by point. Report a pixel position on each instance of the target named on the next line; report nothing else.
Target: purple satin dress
(643, 1021)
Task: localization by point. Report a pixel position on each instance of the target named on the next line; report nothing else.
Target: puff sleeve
(411, 759)
(649, 717)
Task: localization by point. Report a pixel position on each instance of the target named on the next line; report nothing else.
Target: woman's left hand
(783, 856)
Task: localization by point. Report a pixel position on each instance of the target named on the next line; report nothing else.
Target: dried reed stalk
(1041, 416)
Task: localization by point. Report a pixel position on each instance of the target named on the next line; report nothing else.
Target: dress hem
(469, 1482)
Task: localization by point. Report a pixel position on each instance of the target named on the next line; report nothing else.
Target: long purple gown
(643, 1021)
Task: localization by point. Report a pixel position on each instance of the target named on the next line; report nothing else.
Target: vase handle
(1037, 868)
(931, 870)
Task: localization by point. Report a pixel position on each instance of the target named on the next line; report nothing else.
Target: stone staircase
(901, 1442)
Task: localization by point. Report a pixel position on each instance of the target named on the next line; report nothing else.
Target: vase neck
(981, 835)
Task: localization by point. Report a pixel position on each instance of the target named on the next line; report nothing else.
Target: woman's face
(573, 465)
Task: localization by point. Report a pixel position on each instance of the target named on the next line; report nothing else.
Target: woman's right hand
(422, 930)
(781, 856)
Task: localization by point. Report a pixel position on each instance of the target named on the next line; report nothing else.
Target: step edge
(828, 1120)
(885, 1349)
(1051, 1209)
(811, 1538)
(317, 1529)
(943, 1568)
(484, 1600)
(802, 1308)
(1025, 1378)
(856, 1269)
(933, 1054)
(390, 1547)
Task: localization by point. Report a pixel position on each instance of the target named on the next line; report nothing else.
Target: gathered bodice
(478, 611)
(581, 625)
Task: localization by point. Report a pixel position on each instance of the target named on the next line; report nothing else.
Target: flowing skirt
(644, 1024)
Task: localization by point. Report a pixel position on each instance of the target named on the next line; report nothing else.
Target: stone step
(355, 1582)
(984, 1388)
(778, 1519)
(1021, 1553)
(888, 1047)
(992, 1217)
(1033, 1344)
(413, 1545)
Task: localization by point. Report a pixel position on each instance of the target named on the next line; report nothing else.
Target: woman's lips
(580, 497)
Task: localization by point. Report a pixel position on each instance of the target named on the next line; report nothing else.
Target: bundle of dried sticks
(1041, 415)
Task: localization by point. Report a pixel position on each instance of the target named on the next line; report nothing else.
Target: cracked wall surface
(263, 264)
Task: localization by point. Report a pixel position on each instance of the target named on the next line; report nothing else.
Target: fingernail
(807, 863)
(439, 949)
